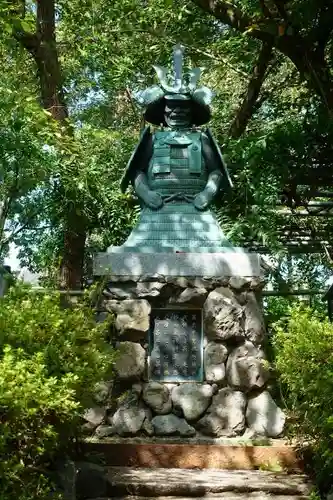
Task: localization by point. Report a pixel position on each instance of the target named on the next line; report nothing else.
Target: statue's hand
(153, 200)
(201, 201)
(150, 198)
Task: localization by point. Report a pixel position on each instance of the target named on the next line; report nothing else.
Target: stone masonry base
(232, 399)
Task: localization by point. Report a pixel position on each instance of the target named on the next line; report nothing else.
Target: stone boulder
(128, 420)
(102, 392)
(223, 315)
(121, 291)
(177, 281)
(144, 287)
(130, 362)
(147, 427)
(239, 282)
(150, 289)
(264, 417)
(132, 317)
(215, 356)
(157, 397)
(226, 415)
(254, 321)
(129, 398)
(95, 415)
(87, 429)
(191, 296)
(136, 389)
(258, 283)
(103, 431)
(207, 283)
(246, 368)
(192, 399)
(167, 425)
(101, 316)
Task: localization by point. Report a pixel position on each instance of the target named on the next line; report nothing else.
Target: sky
(12, 259)
(14, 263)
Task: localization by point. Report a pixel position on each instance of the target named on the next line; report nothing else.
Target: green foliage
(50, 360)
(304, 360)
(276, 308)
(106, 50)
(26, 137)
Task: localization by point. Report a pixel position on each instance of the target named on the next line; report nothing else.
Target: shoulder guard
(218, 159)
(139, 158)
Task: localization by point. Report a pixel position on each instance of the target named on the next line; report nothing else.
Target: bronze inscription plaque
(175, 345)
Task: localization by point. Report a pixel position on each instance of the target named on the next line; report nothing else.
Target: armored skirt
(176, 227)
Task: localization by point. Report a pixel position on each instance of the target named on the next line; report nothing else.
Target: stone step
(192, 454)
(240, 496)
(125, 482)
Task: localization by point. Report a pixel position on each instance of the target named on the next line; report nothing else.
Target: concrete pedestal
(232, 262)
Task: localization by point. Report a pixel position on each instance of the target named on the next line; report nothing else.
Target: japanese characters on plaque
(175, 345)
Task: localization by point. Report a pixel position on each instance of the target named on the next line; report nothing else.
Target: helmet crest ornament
(179, 85)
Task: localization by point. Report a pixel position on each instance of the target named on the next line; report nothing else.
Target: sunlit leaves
(107, 50)
(51, 357)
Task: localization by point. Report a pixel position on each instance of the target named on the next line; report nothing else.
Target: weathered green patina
(176, 170)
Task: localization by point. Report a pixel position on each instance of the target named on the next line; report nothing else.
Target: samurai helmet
(176, 87)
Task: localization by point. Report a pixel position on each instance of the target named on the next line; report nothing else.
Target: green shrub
(50, 360)
(303, 346)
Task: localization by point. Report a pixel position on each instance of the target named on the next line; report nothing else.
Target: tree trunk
(248, 105)
(73, 254)
(43, 48)
(52, 96)
(46, 57)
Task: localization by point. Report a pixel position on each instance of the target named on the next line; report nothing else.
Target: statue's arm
(207, 195)
(150, 198)
(215, 177)
(139, 177)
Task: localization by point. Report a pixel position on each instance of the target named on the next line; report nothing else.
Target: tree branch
(226, 12)
(265, 30)
(231, 15)
(280, 7)
(30, 41)
(248, 106)
(298, 48)
(24, 226)
(265, 9)
(5, 206)
(321, 33)
(264, 95)
(17, 7)
(218, 59)
(12, 193)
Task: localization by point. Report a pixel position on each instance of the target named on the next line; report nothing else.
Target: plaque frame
(199, 377)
